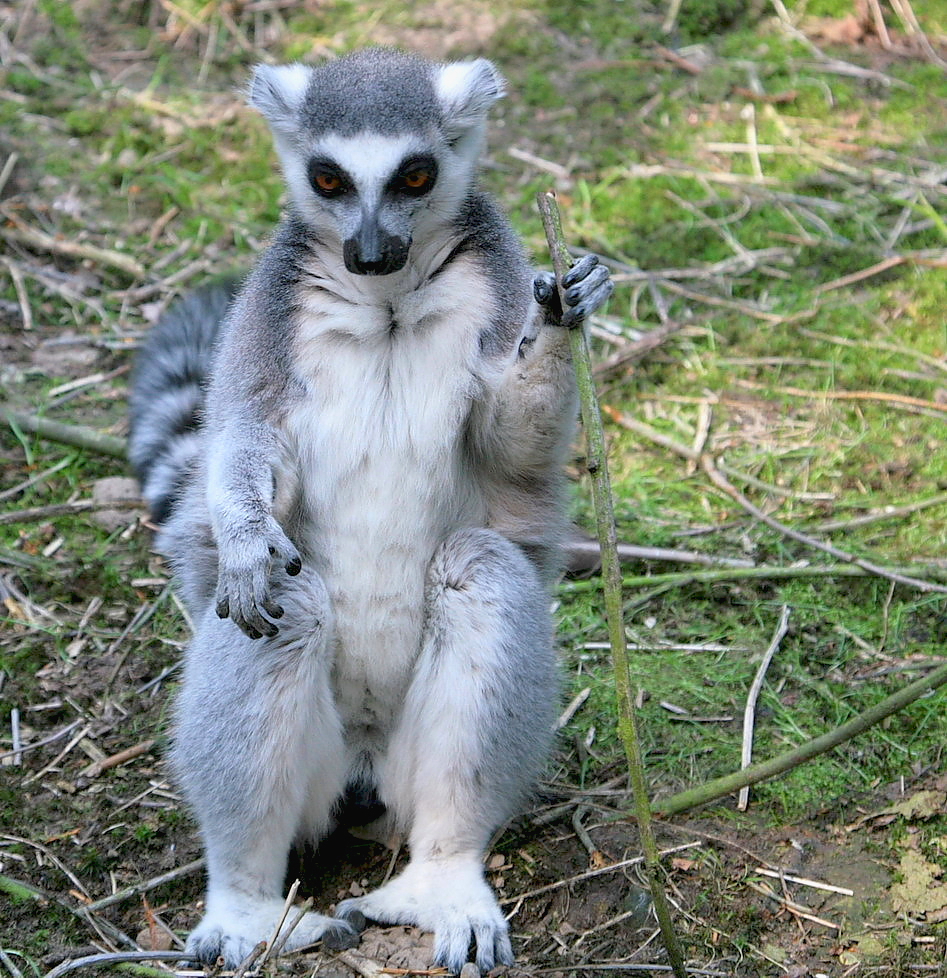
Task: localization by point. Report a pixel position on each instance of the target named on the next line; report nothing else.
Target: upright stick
(611, 581)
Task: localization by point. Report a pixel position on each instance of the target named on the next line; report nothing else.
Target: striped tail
(167, 394)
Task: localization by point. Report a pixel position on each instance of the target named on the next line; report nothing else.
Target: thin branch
(636, 350)
(116, 957)
(719, 787)
(597, 465)
(905, 400)
(144, 887)
(53, 510)
(803, 881)
(749, 713)
(41, 241)
(725, 574)
(889, 513)
(592, 873)
(78, 436)
(582, 552)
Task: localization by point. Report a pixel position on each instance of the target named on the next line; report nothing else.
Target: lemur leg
(475, 728)
(258, 751)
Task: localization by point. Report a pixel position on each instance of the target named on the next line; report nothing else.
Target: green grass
(587, 91)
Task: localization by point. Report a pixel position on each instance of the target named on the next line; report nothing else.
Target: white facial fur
(465, 91)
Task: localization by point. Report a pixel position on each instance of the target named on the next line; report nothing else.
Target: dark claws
(273, 609)
(576, 292)
(340, 938)
(223, 608)
(356, 920)
(589, 303)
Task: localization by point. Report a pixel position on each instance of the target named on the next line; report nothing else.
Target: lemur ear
(466, 90)
(277, 93)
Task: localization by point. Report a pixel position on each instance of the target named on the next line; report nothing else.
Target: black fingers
(579, 290)
(579, 270)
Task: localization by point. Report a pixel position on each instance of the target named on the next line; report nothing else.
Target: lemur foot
(232, 929)
(449, 897)
(243, 577)
(587, 286)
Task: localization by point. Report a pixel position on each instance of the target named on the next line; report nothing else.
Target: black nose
(374, 252)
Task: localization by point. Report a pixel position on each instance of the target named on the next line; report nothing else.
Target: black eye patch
(415, 177)
(327, 179)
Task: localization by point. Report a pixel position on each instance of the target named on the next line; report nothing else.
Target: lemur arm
(529, 418)
(242, 477)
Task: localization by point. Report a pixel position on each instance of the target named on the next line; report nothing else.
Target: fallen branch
(749, 713)
(597, 465)
(845, 280)
(78, 436)
(585, 555)
(803, 881)
(144, 887)
(116, 957)
(883, 396)
(637, 349)
(592, 873)
(888, 513)
(123, 756)
(794, 908)
(31, 515)
(725, 574)
(719, 787)
(40, 241)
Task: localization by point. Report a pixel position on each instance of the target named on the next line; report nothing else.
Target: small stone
(153, 939)
(470, 970)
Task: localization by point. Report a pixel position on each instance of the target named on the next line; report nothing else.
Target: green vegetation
(786, 211)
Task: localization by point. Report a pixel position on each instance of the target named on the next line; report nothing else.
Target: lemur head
(378, 147)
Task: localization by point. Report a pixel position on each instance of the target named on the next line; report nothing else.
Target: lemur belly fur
(392, 380)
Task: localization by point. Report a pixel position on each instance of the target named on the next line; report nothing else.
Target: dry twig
(749, 713)
(144, 887)
(115, 957)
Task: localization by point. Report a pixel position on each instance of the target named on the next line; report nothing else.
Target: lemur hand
(243, 577)
(587, 286)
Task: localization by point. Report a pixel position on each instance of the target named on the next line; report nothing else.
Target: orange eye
(329, 182)
(417, 179)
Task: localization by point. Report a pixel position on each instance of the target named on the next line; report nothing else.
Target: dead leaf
(921, 805)
(921, 890)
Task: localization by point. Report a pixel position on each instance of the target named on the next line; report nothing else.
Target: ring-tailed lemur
(363, 511)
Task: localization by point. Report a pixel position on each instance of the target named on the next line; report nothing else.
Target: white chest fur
(378, 442)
